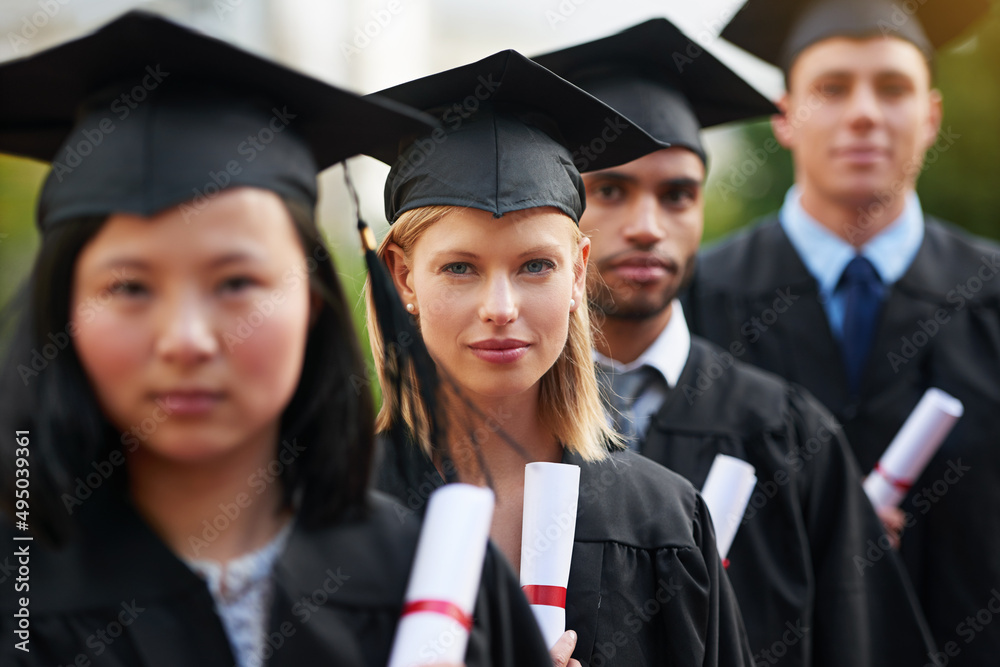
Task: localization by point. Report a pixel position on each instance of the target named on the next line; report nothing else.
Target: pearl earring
(572, 304)
(410, 308)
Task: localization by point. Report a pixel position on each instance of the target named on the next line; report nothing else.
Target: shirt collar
(825, 254)
(668, 353)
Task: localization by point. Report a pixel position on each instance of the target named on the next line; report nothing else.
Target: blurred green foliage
(20, 181)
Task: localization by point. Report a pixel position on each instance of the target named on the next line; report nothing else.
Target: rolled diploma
(445, 577)
(727, 490)
(551, 493)
(909, 452)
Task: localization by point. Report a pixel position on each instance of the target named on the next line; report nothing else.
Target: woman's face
(193, 334)
(493, 295)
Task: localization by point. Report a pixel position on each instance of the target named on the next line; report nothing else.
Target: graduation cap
(778, 30)
(662, 80)
(514, 136)
(145, 114)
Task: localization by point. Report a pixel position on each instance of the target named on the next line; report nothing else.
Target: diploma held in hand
(917, 441)
(551, 493)
(444, 582)
(727, 490)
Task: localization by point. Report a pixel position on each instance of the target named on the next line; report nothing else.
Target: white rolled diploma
(727, 490)
(551, 494)
(909, 452)
(444, 581)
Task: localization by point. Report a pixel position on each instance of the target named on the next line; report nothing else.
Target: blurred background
(366, 45)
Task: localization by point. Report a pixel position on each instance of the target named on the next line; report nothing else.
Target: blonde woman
(486, 253)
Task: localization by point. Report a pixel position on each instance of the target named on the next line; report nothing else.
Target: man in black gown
(796, 562)
(858, 117)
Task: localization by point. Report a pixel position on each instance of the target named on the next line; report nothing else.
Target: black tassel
(404, 356)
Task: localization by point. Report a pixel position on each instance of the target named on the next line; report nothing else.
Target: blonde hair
(569, 400)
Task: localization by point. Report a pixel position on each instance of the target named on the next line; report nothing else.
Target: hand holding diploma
(562, 652)
(727, 491)
(917, 441)
(437, 609)
(551, 493)
(893, 520)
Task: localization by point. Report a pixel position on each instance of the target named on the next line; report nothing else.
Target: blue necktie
(625, 389)
(863, 292)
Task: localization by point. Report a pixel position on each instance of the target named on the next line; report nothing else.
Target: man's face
(859, 116)
(645, 221)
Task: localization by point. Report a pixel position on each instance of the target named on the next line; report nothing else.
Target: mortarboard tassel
(407, 363)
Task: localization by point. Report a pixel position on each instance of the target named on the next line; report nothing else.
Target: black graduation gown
(940, 327)
(805, 599)
(646, 585)
(119, 597)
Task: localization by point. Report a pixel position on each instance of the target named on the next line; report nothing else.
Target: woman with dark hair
(181, 432)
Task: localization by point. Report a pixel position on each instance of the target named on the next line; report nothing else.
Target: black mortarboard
(778, 30)
(514, 136)
(661, 80)
(155, 115)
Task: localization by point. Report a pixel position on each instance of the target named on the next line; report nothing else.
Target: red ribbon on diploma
(550, 596)
(900, 484)
(442, 607)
